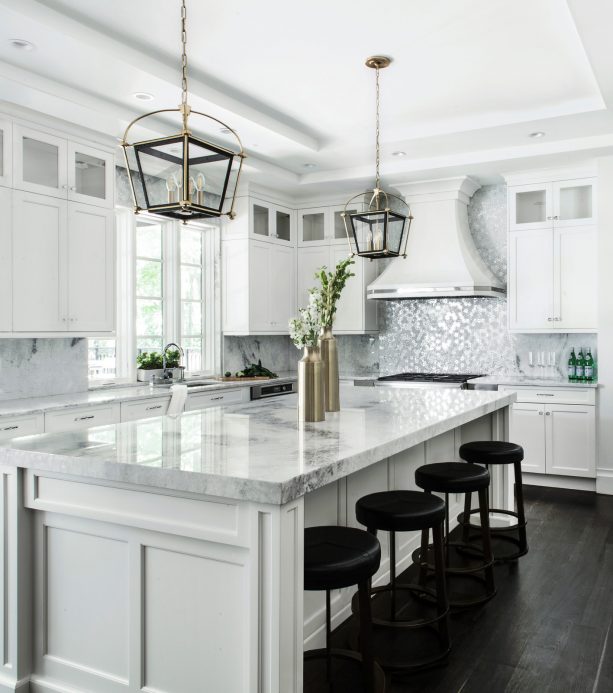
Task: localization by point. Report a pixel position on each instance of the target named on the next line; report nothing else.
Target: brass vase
(329, 356)
(311, 386)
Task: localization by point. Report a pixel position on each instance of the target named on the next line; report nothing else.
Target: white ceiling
(470, 78)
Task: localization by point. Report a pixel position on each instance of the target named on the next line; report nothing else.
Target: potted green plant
(326, 296)
(150, 365)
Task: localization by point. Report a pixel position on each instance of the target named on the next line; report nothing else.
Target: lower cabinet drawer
(211, 399)
(14, 426)
(144, 409)
(552, 395)
(81, 417)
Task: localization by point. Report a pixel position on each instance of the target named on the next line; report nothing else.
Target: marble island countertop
(526, 380)
(257, 451)
(115, 393)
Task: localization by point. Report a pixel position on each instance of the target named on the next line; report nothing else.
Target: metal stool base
(337, 685)
(496, 532)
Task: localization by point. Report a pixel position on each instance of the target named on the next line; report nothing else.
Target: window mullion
(171, 283)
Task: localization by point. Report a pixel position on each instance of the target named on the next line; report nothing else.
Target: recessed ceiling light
(22, 44)
(309, 165)
(143, 96)
(540, 133)
(399, 154)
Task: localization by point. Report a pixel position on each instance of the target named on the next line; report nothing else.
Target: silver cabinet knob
(549, 319)
(548, 413)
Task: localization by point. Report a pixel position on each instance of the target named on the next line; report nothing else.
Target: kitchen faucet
(179, 348)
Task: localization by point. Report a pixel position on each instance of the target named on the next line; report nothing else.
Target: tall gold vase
(329, 356)
(311, 386)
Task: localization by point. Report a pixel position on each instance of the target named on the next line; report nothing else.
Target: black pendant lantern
(183, 176)
(377, 223)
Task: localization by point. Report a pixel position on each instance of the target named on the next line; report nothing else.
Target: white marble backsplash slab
(40, 367)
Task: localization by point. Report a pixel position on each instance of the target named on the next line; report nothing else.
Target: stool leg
(328, 636)
(441, 584)
(484, 513)
(521, 517)
(366, 645)
(447, 529)
(423, 558)
(467, 509)
(393, 576)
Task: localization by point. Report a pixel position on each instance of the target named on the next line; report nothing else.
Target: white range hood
(441, 260)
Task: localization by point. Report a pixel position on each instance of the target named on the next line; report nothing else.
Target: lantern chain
(377, 176)
(184, 54)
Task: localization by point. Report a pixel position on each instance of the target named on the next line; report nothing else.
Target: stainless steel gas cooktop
(458, 380)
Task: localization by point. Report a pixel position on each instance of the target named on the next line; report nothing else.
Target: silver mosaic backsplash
(487, 219)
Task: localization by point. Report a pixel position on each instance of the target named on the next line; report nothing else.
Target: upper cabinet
(552, 204)
(318, 225)
(268, 222)
(6, 148)
(48, 164)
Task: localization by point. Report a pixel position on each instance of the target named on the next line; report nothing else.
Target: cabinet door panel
(576, 277)
(351, 305)
(282, 291)
(259, 294)
(527, 428)
(39, 263)
(90, 175)
(39, 161)
(309, 261)
(530, 207)
(6, 205)
(91, 269)
(531, 280)
(574, 202)
(571, 435)
(6, 153)
(313, 225)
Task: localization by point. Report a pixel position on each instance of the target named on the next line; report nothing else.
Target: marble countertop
(257, 451)
(110, 394)
(526, 380)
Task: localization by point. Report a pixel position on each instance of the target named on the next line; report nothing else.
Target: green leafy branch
(331, 287)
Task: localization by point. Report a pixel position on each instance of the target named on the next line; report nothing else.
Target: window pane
(148, 317)
(149, 344)
(193, 353)
(149, 240)
(101, 358)
(191, 246)
(148, 278)
(191, 318)
(191, 282)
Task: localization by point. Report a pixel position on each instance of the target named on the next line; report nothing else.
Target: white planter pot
(146, 376)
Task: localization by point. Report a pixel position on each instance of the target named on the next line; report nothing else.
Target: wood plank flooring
(549, 628)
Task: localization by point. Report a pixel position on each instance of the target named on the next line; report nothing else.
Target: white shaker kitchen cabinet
(313, 226)
(259, 294)
(338, 234)
(77, 418)
(91, 175)
(39, 162)
(531, 277)
(281, 287)
(527, 428)
(271, 222)
(354, 313)
(203, 400)
(530, 207)
(6, 152)
(90, 269)
(571, 439)
(144, 409)
(25, 425)
(576, 278)
(310, 259)
(39, 233)
(574, 202)
(6, 205)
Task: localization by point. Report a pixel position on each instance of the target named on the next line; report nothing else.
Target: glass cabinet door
(5, 152)
(283, 225)
(339, 235)
(90, 175)
(261, 220)
(530, 206)
(39, 162)
(312, 226)
(574, 202)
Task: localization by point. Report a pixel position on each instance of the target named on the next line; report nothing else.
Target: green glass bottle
(572, 366)
(589, 367)
(580, 372)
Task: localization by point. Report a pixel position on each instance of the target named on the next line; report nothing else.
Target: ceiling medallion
(375, 221)
(183, 176)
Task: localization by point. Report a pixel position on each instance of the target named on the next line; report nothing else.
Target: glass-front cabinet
(552, 204)
(5, 153)
(312, 225)
(50, 165)
(271, 222)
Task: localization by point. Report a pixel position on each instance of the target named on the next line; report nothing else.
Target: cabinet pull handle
(545, 394)
(10, 428)
(84, 418)
(157, 406)
(215, 398)
(541, 413)
(550, 319)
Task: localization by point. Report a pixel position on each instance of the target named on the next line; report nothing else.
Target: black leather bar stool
(459, 477)
(409, 511)
(497, 452)
(336, 557)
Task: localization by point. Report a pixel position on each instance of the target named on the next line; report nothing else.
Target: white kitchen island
(166, 555)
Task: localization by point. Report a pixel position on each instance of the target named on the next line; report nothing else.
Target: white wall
(604, 482)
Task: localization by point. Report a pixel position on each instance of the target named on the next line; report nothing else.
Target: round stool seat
(491, 452)
(337, 557)
(400, 511)
(452, 477)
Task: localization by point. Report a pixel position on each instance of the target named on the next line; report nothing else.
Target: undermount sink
(191, 383)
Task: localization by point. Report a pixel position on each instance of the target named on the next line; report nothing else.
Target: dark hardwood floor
(549, 626)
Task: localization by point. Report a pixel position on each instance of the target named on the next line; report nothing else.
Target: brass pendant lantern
(183, 176)
(377, 223)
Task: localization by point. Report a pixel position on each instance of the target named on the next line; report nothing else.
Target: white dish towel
(177, 400)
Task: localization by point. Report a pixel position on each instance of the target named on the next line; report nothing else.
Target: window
(165, 293)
